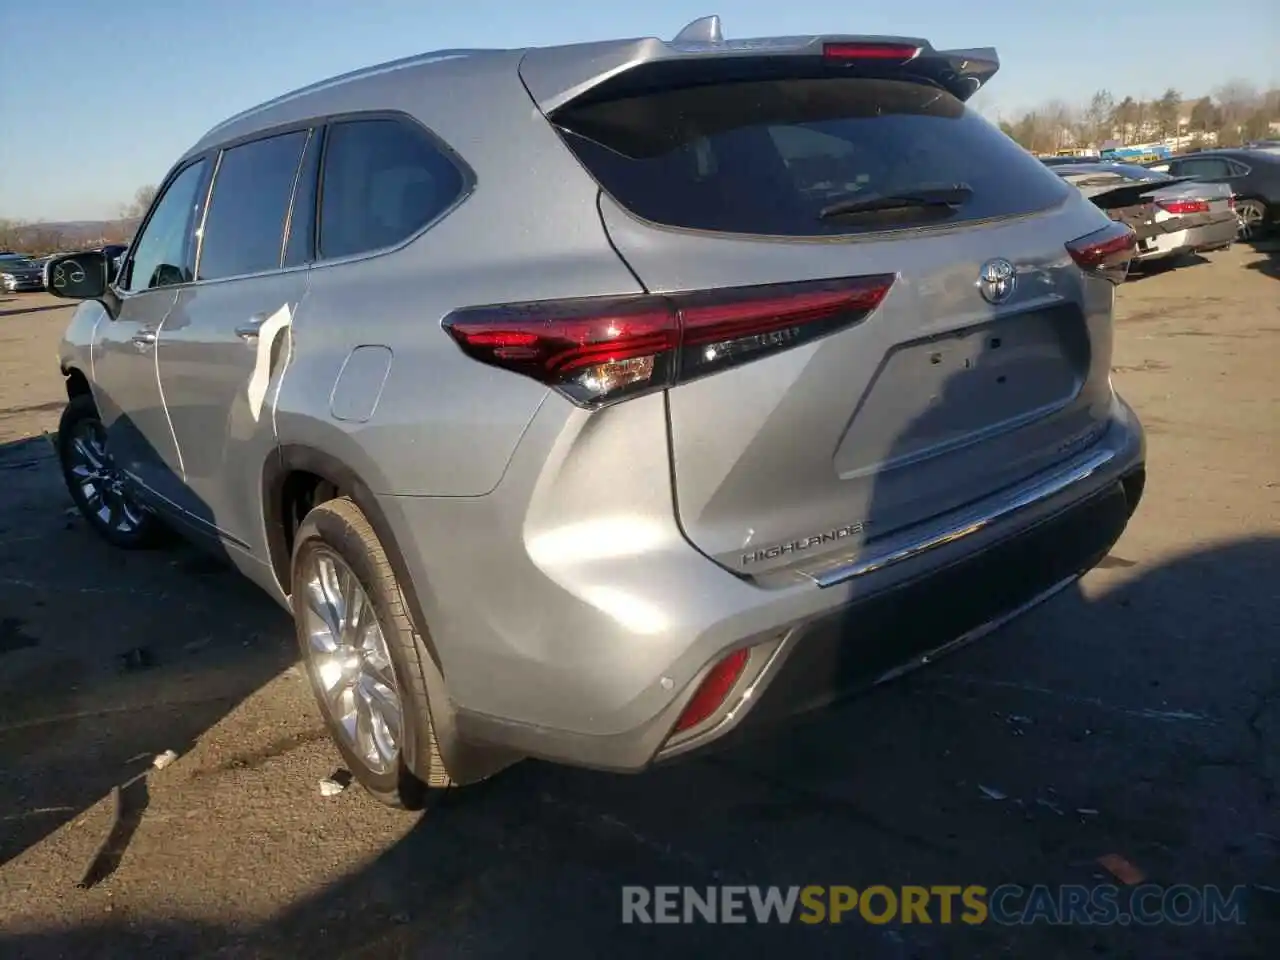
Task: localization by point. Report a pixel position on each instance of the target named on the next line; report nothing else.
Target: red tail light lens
(869, 51)
(1107, 252)
(1231, 202)
(1184, 206)
(600, 350)
(712, 690)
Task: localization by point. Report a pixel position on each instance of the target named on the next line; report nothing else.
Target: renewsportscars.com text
(1009, 904)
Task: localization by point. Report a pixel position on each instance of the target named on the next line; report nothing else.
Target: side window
(299, 247)
(163, 253)
(244, 228)
(1204, 167)
(1237, 169)
(383, 181)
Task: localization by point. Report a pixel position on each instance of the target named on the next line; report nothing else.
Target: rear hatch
(981, 357)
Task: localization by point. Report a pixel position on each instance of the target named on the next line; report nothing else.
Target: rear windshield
(768, 157)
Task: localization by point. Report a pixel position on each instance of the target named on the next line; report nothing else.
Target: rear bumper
(1198, 236)
(811, 644)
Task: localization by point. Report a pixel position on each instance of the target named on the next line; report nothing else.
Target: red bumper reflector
(713, 689)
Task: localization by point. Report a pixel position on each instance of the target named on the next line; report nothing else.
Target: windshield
(15, 262)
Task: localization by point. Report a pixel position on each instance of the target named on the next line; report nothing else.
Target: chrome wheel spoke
(381, 712)
(353, 604)
(349, 664)
(366, 746)
(84, 449)
(321, 600)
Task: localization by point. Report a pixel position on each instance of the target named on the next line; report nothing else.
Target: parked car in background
(1170, 216)
(19, 274)
(1066, 161)
(785, 372)
(1252, 175)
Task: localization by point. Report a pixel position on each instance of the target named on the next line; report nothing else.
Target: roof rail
(702, 30)
(418, 59)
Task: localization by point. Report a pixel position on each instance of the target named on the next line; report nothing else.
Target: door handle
(145, 338)
(249, 331)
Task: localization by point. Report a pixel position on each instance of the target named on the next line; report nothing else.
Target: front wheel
(361, 655)
(96, 484)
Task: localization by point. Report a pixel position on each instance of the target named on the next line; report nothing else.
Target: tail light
(1184, 206)
(869, 51)
(712, 690)
(1105, 253)
(1231, 202)
(600, 350)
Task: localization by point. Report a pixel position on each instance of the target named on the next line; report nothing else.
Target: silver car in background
(596, 402)
(1170, 216)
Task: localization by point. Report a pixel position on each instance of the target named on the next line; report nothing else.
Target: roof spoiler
(555, 76)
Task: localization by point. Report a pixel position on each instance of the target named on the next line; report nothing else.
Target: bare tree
(1098, 116)
(1166, 111)
(1204, 115)
(1125, 117)
(11, 234)
(141, 202)
(1237, 101)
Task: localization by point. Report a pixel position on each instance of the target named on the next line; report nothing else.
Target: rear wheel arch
(296, 472)
(298, 477)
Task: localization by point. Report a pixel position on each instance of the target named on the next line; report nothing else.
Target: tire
(80, 421)
(338, 528)
(1254, 214)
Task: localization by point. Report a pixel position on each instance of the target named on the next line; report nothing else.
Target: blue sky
(98, 98)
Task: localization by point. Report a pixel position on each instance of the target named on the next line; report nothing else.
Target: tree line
(1233, 114)
(41, 239)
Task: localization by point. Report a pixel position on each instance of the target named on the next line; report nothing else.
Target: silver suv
(594, 402)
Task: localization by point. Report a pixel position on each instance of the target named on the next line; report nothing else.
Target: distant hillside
(64, 234)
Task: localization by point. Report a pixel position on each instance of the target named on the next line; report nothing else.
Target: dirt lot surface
(1138, 715)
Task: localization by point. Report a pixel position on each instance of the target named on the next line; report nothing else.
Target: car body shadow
(1269, 264)
(1135, 720)
(108, 658)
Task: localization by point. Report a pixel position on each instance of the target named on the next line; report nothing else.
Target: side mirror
(79, 276)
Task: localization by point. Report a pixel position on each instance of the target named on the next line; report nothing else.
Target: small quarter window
(383, 181)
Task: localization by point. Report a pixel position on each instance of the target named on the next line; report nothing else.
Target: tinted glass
(244, 229)
(163, 252)
(1203, 167)
(383, 181)
(300, 244)
(765, 157)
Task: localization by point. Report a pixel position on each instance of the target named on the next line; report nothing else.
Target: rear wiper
(952, 196)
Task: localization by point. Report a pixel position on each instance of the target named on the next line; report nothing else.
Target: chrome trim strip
(954, 528)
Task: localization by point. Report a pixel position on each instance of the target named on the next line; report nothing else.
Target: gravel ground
(1137, 715)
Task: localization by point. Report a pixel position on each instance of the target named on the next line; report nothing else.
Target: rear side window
(1205, 167)
(384, 180)
(244, 228)
(769, 156)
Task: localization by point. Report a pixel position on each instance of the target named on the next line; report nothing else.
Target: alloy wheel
(99, 481)
(347, 658)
